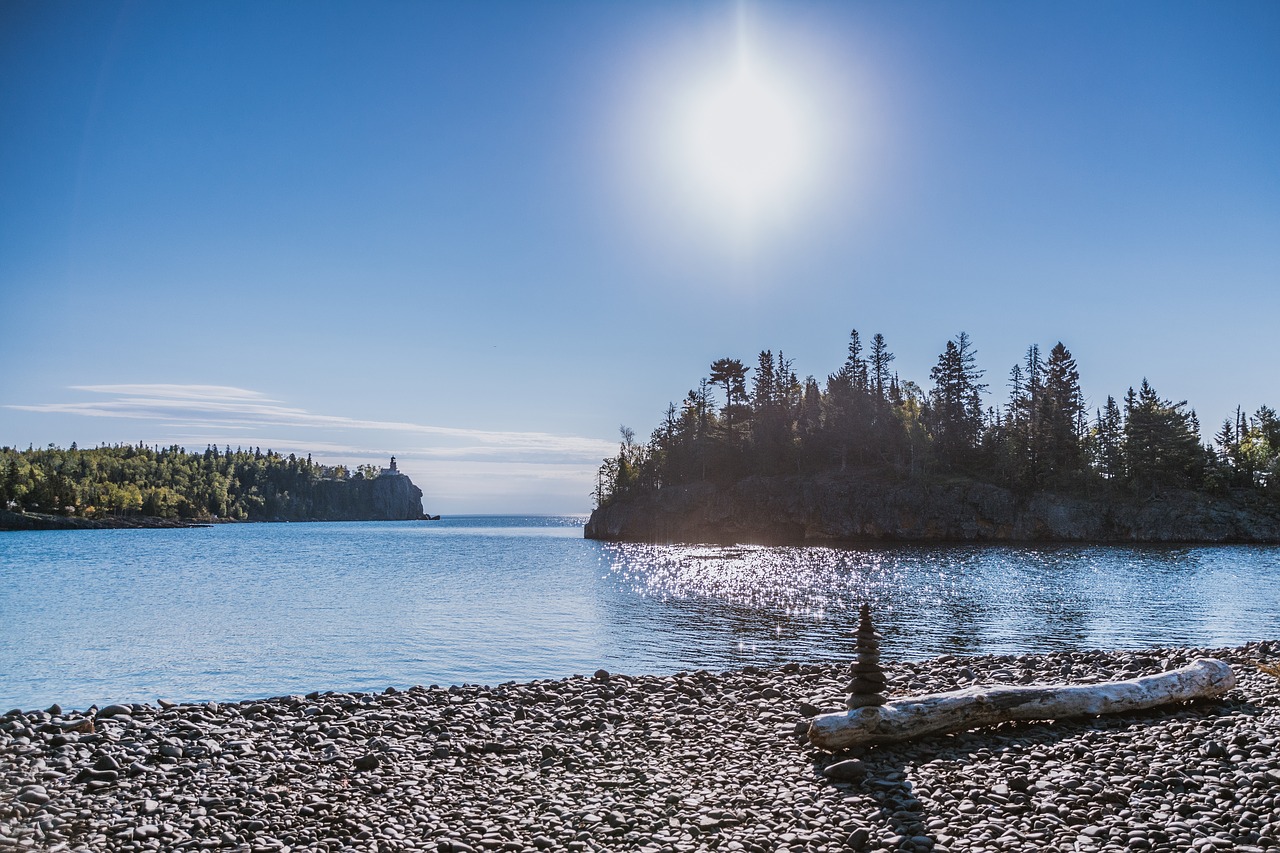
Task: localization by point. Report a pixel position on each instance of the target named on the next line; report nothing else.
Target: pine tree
(880, 360)
(1057, 440)
(855, 365)
(762, 385)
(956, 410)
(733, 375)
(1161, 441)
(1109, 440)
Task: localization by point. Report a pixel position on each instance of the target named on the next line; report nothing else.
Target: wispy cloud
(179, 392)
(210, 412)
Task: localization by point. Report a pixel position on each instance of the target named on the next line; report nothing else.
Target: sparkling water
(252, 610)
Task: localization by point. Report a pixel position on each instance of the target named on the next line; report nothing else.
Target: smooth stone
(858, 838)
(867, 685)
(848, 770)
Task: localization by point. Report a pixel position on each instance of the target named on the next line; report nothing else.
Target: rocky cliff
(389, 497)
(854, 508)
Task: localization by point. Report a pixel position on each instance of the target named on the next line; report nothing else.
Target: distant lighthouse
(392, 471)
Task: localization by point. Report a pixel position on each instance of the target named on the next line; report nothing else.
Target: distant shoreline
(12, 521)
(15, 521)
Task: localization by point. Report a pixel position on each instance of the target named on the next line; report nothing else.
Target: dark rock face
(390, 497)
(856, 508)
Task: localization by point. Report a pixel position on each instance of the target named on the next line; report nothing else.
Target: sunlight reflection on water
(969, 599)
(239, 611)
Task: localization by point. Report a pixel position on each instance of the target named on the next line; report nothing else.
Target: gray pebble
(693, 761)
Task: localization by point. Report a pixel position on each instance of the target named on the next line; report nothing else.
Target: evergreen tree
(956, 410)
(731, 373)
(1161, 441)
(867, 415)
(880, 360)
(1109, 440)
(1060, 404)
(855, 365)
(762, 385)
(809, 422)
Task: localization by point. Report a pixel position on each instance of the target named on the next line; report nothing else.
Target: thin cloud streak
(186, 392)
(215, 407)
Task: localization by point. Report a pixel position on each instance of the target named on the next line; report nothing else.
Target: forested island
(140, 486)
(868, 455)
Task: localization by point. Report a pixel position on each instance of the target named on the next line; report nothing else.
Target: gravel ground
(694, 761)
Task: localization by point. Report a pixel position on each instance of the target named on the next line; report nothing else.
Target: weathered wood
(937, 713)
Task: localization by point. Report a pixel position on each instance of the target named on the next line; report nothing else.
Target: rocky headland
(389, 497)
(869, 508)
(693, 761)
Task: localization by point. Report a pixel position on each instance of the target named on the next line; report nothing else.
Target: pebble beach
(692, 761)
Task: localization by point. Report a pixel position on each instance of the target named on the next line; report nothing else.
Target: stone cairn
(869, 683)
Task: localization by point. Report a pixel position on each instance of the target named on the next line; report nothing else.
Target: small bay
(251, 610)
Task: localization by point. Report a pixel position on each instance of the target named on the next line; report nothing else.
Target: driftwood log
(937, 713)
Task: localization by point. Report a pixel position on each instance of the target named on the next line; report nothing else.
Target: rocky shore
(694, 761)
(44, 521)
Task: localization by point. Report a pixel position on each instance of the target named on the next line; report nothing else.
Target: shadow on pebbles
(693, 761)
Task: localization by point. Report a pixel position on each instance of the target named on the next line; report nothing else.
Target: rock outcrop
(871, 508)
(389, 497)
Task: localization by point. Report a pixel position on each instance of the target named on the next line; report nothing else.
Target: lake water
(254, 610)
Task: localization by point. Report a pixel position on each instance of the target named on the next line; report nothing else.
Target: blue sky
(453, 231)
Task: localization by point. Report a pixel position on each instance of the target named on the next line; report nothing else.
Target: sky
(481, 236)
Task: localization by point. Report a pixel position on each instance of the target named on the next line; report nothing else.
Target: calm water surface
(240, 611)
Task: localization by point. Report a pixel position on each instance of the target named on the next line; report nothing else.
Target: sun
(734, 138)
(745, 140)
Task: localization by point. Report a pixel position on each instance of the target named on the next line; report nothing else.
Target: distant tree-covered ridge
(1041, 436)
(121, 481)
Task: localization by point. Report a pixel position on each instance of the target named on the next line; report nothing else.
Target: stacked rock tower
(867, 689)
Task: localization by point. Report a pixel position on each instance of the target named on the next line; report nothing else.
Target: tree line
(1041, 436)
(165, 482)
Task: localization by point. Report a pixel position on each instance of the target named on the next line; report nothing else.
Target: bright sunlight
(745, 142)
(735, 135)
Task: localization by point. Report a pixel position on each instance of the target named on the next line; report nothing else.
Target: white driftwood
(918, 716)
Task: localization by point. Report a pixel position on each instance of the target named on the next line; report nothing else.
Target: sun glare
(735, 137)
(745, 145)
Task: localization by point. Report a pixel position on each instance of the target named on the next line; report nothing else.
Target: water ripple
(239, 611)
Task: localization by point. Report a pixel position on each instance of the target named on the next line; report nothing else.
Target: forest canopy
(166, 482)
(1042, 435)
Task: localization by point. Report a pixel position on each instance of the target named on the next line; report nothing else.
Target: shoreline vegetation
(127, 486)
(691, 761)
(870, 456)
